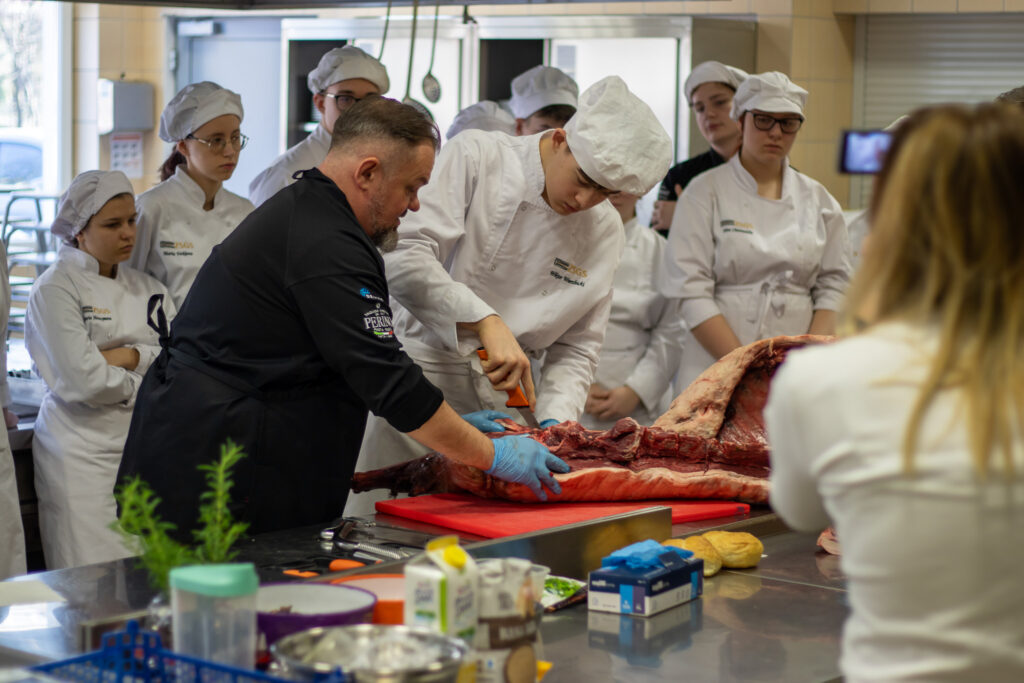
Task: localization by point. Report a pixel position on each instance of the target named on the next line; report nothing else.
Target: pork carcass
(709, 444)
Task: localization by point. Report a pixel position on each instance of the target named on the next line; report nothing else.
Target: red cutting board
(496, 518)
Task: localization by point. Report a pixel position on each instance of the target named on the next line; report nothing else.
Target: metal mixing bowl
(370, 653)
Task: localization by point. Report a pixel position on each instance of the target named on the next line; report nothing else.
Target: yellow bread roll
(738, 549)
(702, 549)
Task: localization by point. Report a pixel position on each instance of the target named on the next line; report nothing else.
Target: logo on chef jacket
(96, 313)
(729, 225)
(573, 275)
(378, 321)
(172, 248)
(367, 294)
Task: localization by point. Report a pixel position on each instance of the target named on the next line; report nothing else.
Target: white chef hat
(193, 106)
(84, 198)
(539, 87)
(344, 63)
(484, 115)
(771, 92)
(712, 72)
(617, 140)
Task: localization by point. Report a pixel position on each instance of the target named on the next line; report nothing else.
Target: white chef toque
(539, 87)
(771, 92)
(484, 115)
(84, 198)
(345, 63)
(195, 105)
(712, 72)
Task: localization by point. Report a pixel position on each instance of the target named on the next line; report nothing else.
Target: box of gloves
(645, 578)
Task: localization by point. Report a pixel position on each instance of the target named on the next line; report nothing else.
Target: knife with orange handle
(516, 399)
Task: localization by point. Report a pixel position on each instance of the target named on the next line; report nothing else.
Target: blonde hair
(947, 252)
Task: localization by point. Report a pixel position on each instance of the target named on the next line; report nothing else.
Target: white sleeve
(687, 269)
(836, 260)
(272, 180)
(5, 309)
(656, 368)
(416, 273)
(794, 493)
(569, 365)
(66, 358)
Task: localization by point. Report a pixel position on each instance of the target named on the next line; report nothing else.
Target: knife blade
(516, 399)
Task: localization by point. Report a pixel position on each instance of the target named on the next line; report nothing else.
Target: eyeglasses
(765, 122)
(342, 101)
(218, 142)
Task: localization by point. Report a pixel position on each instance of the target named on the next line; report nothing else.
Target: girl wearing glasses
(190, 212)
(757, 249)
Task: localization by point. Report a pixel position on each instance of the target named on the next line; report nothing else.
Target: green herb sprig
(149, 536)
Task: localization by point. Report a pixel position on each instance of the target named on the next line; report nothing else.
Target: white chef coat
(933, 560)
(175, 235)
(73, 314)
(484, 241)
(301, 157)
(12, 534)
(644, 339)
(764, 264)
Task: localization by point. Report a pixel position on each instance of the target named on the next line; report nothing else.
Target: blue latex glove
(550, 422)
(522, 460)
(484, 420)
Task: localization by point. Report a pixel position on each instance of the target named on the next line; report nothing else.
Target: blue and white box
(647, 590)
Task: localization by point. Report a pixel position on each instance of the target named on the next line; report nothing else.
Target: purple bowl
(310, 605)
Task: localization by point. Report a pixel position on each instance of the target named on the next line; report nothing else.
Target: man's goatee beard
(386, 240)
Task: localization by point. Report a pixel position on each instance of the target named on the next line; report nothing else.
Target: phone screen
(863, 151)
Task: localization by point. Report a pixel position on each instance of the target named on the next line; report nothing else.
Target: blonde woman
(907, 434)
(183, 218)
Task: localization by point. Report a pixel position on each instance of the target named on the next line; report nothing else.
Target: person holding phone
(758, 249)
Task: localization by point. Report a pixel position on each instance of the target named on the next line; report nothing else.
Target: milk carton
(441, 589)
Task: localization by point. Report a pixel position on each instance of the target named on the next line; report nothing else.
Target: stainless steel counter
(778, 622)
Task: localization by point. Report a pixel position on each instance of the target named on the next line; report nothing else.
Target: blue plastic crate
(136, 656)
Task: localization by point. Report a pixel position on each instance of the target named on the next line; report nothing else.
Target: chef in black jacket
(285, 341)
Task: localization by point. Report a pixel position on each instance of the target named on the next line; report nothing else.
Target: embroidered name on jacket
(729, 225)
(172, 248)
(378, 321)
(573, 275)
(96, 313)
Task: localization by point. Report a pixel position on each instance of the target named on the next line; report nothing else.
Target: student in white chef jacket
(514, 249)
(183, 218)
(86, 330)
(484, 115)
(756, 249)
(644, 339)
(907, 433)
(543, 98)
(343, 76)
(12, 534)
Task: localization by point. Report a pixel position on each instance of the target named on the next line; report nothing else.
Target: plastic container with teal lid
(214, 608)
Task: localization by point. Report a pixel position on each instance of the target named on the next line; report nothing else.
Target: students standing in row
(757, 249)
(190, 211)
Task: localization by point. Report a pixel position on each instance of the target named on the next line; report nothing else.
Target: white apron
(73, 313)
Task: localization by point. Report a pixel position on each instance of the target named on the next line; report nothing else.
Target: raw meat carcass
(709, 444)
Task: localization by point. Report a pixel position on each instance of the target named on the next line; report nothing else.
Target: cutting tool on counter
(516, 399)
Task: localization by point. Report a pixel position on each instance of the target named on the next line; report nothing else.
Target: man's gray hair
(382, 118)
(1015, 96)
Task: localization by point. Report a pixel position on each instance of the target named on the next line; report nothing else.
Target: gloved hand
(550, 422)
(522, 460)
(484, 420)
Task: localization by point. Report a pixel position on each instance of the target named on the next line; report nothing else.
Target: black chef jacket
(682, 173)
(282, 345)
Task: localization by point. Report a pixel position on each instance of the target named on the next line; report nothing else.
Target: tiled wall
(114, 41)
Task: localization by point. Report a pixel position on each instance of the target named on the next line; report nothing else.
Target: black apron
(300, 454)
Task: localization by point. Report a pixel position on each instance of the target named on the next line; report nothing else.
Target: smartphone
(863, 151)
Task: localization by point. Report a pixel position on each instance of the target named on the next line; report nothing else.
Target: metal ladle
(408, 81)
(431, 86)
